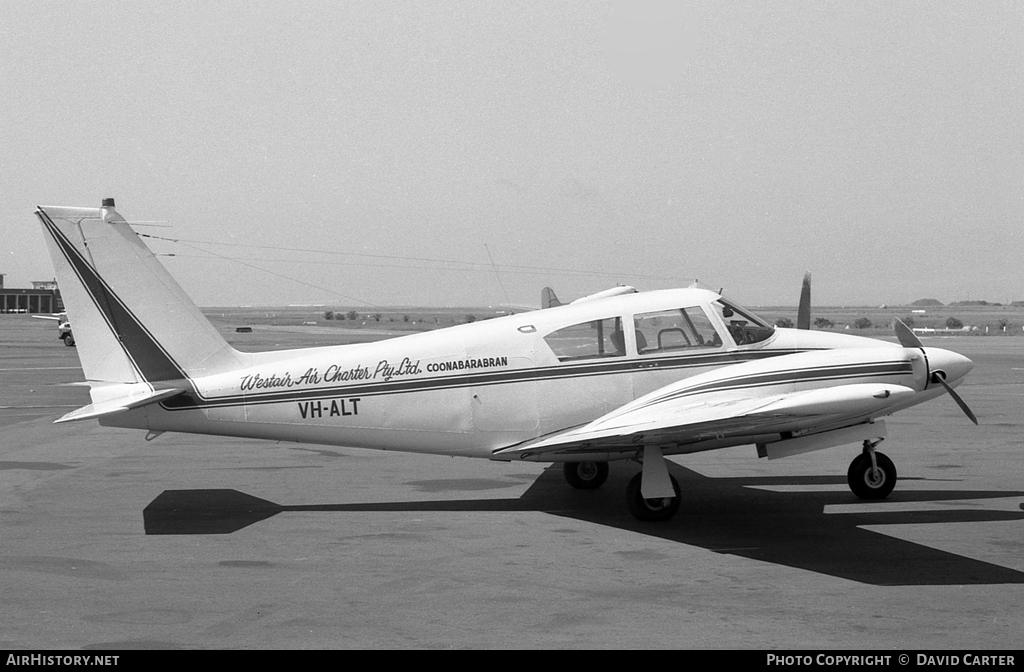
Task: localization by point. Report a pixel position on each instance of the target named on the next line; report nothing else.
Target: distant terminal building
(44, 297)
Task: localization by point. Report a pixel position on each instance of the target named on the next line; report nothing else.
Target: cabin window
(677, 329)
(744, 326)
(588, 340)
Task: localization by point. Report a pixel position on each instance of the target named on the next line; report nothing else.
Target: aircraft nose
(953, 364)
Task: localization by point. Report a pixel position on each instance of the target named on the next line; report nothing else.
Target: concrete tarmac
(110, 541)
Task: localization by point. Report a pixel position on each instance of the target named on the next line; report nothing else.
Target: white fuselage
(467, 390)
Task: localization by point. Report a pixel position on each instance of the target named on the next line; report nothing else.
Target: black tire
(867, 485)
(586, 475)
(651, 510)
(68, 339)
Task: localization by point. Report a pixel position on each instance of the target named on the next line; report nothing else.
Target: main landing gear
(651, 510)
(586, 475)
(872, 475)
(663, 492)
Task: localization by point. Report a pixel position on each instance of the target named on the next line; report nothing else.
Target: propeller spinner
(942, 363)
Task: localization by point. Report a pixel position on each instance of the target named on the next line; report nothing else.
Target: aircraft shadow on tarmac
(724, 515)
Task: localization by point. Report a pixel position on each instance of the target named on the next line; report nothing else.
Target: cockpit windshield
(744, 325)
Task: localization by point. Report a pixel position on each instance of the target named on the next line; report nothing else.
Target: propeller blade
(908, 339)
(803, 312)
(956, 397)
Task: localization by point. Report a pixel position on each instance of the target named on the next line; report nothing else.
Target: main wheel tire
(68, 339)
(651, 510)
(586, 475)
(867, 484)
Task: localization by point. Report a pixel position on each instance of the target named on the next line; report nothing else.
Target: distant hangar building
(44, 297)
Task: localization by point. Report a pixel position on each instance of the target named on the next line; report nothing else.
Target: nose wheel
(872, 475)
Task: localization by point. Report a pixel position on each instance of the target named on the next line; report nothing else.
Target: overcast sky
(336, 152)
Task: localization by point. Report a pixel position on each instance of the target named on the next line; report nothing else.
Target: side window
(676, 329)
(588, 340)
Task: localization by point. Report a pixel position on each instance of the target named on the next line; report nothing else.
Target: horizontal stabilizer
(119, 405)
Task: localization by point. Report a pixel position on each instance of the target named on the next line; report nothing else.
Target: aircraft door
(587, 367)
(674, 344)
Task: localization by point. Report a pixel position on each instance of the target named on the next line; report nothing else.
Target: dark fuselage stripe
(456, 382)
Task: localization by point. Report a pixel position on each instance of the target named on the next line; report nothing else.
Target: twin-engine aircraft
(620, 375)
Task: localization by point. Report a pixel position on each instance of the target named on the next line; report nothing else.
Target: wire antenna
(508, 301)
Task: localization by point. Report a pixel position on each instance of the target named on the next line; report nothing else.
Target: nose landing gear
(872, 475)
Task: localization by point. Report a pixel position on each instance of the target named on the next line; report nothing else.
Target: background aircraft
(617, 375)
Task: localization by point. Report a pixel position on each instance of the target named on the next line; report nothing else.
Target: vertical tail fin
(133, 323)
(548, 298)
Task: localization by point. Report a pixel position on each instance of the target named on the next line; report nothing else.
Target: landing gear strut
(585, 475)
(872, 475)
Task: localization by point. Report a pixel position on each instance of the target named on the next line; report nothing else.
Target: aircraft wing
(706, 408)
(691, 420)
